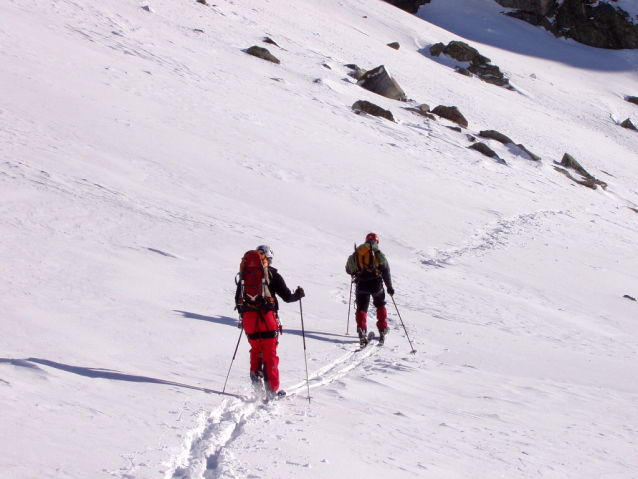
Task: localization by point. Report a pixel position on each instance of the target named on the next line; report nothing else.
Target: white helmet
(265, 249)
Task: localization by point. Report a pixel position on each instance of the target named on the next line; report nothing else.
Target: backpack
(365, 260)
(254, 280)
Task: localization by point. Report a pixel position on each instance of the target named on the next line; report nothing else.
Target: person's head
(372, 237)
(267, 252)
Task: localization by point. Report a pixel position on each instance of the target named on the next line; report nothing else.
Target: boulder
(632, 99)
(410, 6)
(451, 113)
(394, 45)
(357, 72)
(570, 163)
(372, 109)
(379, 81)
(262, 53)
(629, 125)
(422, 112)
(484, 149)
(495, 135)
(480, 65)
(531, 155)
(270, 41)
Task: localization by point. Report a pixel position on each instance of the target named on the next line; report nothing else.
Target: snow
(141, 157)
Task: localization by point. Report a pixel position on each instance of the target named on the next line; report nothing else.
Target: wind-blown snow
(142, 152)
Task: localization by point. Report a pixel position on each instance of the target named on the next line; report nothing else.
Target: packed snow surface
(142, 152)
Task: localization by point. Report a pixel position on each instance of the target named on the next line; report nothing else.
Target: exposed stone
(479, 64)
(484, 149)
(394, 45)
(451, 113)
(632, 99)
(531, 155)
(410, 6)
(203, 2)
(270, 41)
(495, 135)
(588, 180)
(437, 49)
(629, 125)
(455, 128)
(424, 107)
(421, 112)
(379, 81)
(372, 109)
(594, 23)
(262, 53)
(471, 138)
(629, 297)
(357, 72)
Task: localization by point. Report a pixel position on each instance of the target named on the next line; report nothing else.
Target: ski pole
(231, 363)
(303, 335)
(349, 303)
(406, 331)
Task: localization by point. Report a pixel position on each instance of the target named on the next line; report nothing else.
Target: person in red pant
(370, 269)
(263, 327)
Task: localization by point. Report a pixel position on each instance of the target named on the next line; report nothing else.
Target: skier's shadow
(318, 335)
(103, 373)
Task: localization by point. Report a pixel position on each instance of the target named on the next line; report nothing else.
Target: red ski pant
(264, 345)
(363, 302)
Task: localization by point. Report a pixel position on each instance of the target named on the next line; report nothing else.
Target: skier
(369, 269)
(261, 323)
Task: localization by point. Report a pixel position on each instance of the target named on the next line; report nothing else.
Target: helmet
(372, 237)
(266, 251)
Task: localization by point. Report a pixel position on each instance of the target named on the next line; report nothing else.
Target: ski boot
(256, 378)
(382, 334)
(363, 338)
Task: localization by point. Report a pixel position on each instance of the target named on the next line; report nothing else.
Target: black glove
(390, 290)
(300, 292)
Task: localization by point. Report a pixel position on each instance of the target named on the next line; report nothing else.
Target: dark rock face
(394, 45)
(451, 113)
(262, 53)
(484, 149)
(380, 82)
(629, 125)
(597, 24)
(372, 109)
(480, 65)
(410, 6)
(632, 99)
(495, 135)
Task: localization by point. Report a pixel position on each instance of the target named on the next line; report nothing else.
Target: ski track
(205, 453)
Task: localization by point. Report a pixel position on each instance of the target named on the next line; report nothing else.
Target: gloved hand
(390, 290)
(300, 292)
(240, 324)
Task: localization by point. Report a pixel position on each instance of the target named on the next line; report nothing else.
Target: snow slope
(142, 152)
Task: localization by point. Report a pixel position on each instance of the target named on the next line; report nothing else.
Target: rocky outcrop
(394, 45)
(479, 65)
(262, 53)
(371, 109)
(451, 113)
(495, 135)
(570, 163)
(600, 24)
(423, 110)
(632, 99)
(410, 6)
(379, 81)
(357, 72)
(629, 125)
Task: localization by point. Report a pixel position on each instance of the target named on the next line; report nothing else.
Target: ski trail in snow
(206, 455)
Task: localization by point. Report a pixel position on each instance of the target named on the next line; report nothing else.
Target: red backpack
(253, 278)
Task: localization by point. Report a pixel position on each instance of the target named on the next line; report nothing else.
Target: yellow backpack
(366, 260)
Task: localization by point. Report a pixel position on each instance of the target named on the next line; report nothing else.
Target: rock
(480, 65)
(262, 53)
(484, 149)
(437, 49)
(629, 297)
(455, 128)
(632, 99)
(629, 125)
(594, 23)
(419, 111)
(424, 107)
(357, 72)
(588, 180)
(147, 8)
(471, 138)
(451, 113)
(495, 135)
(203, 2)
(531, 155)
(379, 81)
(325, 65)
(410, 6)
(372, 109)
(394, 45)
(270, 41)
